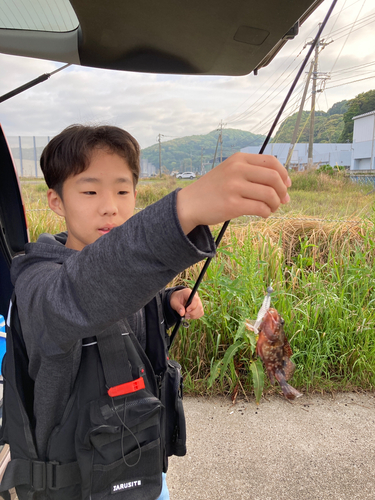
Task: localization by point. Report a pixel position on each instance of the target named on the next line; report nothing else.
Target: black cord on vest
(123, 428)
(225, 225)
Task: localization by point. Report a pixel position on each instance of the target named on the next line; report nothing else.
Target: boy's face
(96, 200)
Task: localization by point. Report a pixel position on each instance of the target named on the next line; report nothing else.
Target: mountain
(328, 126)
(185, 153)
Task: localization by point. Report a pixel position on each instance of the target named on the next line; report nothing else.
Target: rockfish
(275, 351)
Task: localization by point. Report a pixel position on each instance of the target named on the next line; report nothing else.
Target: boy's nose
(108, 207)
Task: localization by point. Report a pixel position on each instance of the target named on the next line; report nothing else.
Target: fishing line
(225, 225)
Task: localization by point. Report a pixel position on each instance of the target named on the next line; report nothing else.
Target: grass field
(318, 254)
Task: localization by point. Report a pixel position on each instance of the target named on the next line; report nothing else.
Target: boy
(111, 264)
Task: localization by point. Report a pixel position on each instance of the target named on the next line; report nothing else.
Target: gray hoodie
(65, 295)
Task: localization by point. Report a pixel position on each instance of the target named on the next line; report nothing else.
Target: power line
(346, 70)
(267, 100)
(249, 109)
(253, 108)
(270, 77)
(231, 119)
(354, 81)
(340, 79)
(355, 24)
(351, 29)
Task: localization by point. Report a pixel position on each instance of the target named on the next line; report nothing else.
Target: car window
(43, 15)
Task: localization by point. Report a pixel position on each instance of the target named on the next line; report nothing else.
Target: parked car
(186, 175)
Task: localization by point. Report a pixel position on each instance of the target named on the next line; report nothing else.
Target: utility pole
(213, 163)
(159, 139)
(219, 140)
(320, 43)
(201, 160)
(298, 120)
(312, 115)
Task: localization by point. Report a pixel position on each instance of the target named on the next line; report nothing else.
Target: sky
(177, 106)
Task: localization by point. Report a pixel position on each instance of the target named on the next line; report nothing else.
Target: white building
(363, 150)
(147, 168)
(323, 154)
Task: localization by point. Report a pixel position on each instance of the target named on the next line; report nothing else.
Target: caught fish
(274, 350)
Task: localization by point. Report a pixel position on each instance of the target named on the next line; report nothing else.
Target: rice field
(317, 253)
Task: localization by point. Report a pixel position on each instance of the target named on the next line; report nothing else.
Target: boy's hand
(244, 184)
(178, 300)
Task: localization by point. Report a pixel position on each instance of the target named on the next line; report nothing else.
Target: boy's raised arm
(244, 184)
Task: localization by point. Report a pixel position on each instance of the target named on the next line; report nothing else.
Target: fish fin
(289, 368)
(288, 391)
(287, 349)
(271, 377)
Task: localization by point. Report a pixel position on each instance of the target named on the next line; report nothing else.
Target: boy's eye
(123, 192)
(89, 192)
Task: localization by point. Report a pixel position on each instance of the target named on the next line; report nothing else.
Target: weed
(322, 271)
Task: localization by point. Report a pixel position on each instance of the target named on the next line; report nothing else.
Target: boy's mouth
(106, 229)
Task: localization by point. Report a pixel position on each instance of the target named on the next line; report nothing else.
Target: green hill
(328, 125)
(185, 153)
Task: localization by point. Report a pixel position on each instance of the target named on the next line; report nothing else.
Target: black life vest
(122, 420)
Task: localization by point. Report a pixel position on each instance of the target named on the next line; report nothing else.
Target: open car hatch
(205, 37)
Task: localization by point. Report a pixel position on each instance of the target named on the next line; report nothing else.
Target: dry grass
(322, 271)
(279, 241)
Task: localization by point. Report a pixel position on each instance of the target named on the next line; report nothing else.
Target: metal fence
(26, 151)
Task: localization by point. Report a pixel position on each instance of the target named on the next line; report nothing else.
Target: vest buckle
(38, 475)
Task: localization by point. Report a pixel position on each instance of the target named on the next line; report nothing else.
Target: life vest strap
(40, 475)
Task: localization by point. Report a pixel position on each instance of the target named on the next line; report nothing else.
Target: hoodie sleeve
(170, 315)
(65, 295)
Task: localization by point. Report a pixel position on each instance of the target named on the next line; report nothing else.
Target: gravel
(316, 448)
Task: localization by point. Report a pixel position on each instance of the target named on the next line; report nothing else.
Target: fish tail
(289, 391)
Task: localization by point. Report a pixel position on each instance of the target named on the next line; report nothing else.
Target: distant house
(363, 142)
(323, 154)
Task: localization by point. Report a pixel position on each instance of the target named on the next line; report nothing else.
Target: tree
(330, 129)
(328, 126)
(361, 104)
(339, 108)
(186, 151)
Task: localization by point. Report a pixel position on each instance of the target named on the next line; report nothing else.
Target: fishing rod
(261, 151)
(32, 83)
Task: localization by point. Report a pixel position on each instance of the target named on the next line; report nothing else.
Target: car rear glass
(43, 15)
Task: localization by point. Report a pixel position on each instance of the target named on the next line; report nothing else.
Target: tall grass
(318, 254)
(149, 191)
(324, 285)
(40, 219)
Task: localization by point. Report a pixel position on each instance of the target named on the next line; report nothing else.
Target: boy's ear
(55, 202)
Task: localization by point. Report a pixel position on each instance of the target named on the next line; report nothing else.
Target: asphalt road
(317, 448)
